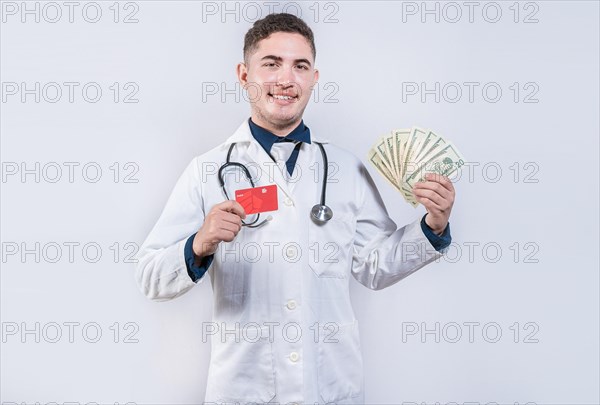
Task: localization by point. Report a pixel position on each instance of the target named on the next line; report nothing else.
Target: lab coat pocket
(329, 244)
(241, 369)
(340, 364)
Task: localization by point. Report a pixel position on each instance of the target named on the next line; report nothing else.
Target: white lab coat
(283, 288)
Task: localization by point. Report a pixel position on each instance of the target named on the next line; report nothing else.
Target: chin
(283, 119)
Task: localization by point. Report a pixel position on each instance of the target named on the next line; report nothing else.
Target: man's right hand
(222, 223)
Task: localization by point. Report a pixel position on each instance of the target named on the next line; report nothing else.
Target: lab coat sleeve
(161, 271)
(383, 253)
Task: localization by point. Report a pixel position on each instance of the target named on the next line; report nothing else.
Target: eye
(304, 67)
(270, 64)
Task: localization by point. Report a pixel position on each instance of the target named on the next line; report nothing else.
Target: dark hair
(282, 22)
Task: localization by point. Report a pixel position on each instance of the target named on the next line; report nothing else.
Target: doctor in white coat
(283, 329)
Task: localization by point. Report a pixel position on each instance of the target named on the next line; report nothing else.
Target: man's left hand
(437, 196)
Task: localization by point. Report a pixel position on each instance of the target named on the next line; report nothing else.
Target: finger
(429, 204)
(435, 187)
(226, 236)
(233, 207)
(430, 195)
(443, 180)
(231, 218)
(230, 226)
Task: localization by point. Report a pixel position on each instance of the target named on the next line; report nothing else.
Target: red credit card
(258, 199)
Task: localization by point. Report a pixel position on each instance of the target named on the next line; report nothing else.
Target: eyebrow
(280, 59)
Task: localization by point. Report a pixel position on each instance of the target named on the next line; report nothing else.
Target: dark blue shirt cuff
(439, 242)
(195, 272)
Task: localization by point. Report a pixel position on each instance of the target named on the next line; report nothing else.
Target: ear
(316, 76)
(242, 74)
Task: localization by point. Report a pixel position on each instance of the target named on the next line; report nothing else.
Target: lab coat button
(294, 356)
(288, 201)
(291, 304)
(290, 252)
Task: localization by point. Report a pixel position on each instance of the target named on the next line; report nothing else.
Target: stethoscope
(321, 213)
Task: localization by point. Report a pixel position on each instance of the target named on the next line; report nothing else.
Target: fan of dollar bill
(404, 156)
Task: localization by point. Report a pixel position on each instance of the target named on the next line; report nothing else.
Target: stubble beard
(279, 124)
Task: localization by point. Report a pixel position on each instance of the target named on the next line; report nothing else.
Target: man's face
(279, 77)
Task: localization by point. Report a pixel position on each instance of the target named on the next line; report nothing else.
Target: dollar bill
(385, 156)
(375, 159)
(445, 162)
(400, 139)
(414, 139)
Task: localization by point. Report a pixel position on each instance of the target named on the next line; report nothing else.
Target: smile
(282, 97)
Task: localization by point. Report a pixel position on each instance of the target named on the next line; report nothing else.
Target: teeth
(282, 97)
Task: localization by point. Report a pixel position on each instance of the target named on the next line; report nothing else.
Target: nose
(285, 78)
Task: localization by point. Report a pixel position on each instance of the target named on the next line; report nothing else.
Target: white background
(543, 217)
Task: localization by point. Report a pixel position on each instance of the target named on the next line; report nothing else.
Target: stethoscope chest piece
(321, 213)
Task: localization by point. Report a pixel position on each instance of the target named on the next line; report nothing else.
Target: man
(283, 328)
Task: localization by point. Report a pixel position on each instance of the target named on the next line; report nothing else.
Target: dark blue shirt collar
(266, 138)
